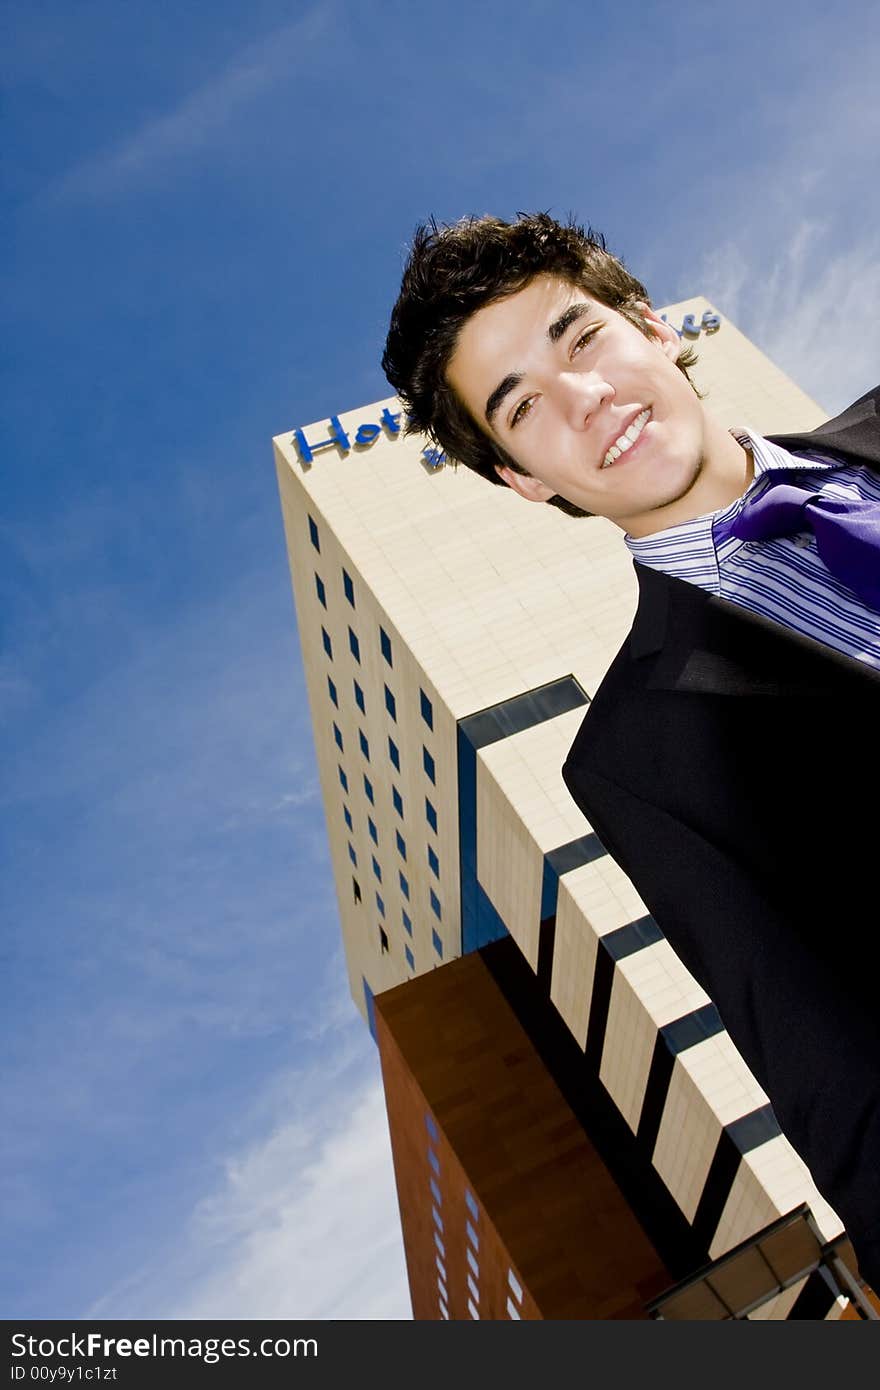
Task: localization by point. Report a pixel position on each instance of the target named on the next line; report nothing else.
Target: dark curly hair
(453, 271)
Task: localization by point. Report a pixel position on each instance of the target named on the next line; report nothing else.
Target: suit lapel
(695, 643)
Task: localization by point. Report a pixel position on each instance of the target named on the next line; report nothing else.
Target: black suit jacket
(732, 768)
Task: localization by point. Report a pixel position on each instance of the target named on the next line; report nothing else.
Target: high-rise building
(452, 637)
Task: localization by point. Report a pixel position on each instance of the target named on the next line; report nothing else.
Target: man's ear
(532, 489)
(664, 333)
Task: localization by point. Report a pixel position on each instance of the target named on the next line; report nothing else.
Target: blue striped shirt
(782, 579)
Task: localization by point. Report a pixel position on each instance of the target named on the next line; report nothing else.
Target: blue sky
(206, 214)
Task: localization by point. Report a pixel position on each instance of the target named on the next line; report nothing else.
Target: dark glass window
(357, 890)
(407, 924)
(409, 958)
(365, 747)
(333, 696)
(401, 844)
(347, 814)
(390, 704)
(338, 737)
(435, 905)
(427, 709)
(313, 533)
(385, 644)
(393, 753)
(404, 886)
(438, 944)
(359, 698)
(328, 645)
(430, 814)
(428, 764)
(354, 645)
(397, 800)
(368, 791)
(374, 834)
(433, 862)
(343, 780)
(377, 869)
(351, 854)
(380, 905)
(348, 587)
(383, 939)
(321, 591)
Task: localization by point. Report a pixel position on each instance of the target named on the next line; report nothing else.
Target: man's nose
(582, 394)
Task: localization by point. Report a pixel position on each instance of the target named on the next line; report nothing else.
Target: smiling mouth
(627, 439)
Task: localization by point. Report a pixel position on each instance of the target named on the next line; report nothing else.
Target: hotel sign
(388, 425)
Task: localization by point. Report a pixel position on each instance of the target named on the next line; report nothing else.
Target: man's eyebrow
(503, 389)
(566, 319)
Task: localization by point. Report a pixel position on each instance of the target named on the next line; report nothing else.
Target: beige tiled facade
(478, 598)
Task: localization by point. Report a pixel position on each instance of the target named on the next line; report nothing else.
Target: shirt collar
(688, 549)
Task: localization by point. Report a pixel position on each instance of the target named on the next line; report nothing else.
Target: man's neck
(726, 470)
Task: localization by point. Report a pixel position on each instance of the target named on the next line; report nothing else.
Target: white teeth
(627, 439)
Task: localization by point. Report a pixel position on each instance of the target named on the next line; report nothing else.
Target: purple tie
(847, 532)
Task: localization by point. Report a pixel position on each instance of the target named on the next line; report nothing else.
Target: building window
(433, 862)
(438, 944)
(430, 814)
(471, 1204)
(332, 689)
(313, 534)
(441, 1248)
(374, 834)
(472, 1310)
(515, 1285)
(348, 587)
(328, 645)
(393, 753)
(390, 704)
(472, 1289)
(409, 958)
(512, 1311)
(368, 791)
(428, 764)
(404, 885)
(397, 801)
(377, 872)
(427, 710)
(321, 591)
(401, 844)
(407, 924)
(365, 747)
(351, 854)
(338, 737)
(347, 816)
(356, 887)
(343, 780)
(472, 1235)
(431, 1127)
(441, 1268)
(354, 645)
(471, 1259)
(436, 1193)
(380, 905)
(383, 940)
(385, 644)
(444, 1311)
(435, 905)
(441, 1289)
(359, 698)
(435, 1164)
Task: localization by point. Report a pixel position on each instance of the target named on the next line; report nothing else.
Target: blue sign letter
(337, 437)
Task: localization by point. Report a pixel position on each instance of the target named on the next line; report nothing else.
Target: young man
(729, 760)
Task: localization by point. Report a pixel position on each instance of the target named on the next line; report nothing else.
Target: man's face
(592, 408)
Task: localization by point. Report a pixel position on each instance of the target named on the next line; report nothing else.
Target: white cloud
(812, 308)
(201, 116)
(303, 1224)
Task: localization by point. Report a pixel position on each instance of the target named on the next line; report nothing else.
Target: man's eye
(521, 411)
(584, 338)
